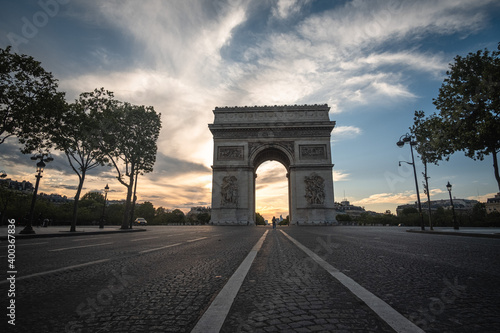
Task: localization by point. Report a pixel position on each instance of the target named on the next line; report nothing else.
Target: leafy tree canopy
(129, 135)
(469, 104)
(469, 112)
(30, 105)
(95, 197)
(259, 219)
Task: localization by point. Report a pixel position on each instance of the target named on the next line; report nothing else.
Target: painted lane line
(32, 244)
(86, 239)
(396, 320)
(79, 247)
(196, 239)
(160, 248)
(139, 239)
(214, 317)
(171, 245)
(58, 270)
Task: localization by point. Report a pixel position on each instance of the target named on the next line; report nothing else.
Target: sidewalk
(463, 231)
(62, 231)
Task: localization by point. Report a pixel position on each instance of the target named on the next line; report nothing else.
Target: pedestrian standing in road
(274, 222)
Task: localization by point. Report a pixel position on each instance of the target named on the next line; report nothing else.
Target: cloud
(286, 8)
(336, 56)
(345, 132)
(167, 166)
(393, 198)
(186, 57)
(482, 198)
(340, 175)
(370, 23)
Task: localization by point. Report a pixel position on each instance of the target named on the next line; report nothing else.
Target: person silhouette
(274, 222)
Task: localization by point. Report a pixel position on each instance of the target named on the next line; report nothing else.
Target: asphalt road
(165, 279)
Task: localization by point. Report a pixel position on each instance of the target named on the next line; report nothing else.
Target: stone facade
(296, 136)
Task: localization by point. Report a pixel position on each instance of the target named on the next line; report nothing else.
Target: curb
(451, 233)
(70, 234)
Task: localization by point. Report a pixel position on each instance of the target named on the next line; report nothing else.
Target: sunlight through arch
(271, 190)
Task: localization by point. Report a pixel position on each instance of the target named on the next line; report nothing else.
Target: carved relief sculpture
(229, 191)
(230, 153)
(315, 189)
(312, 152)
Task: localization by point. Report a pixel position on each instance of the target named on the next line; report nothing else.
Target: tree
(129, 138)
(343, 218)
(176, 216)
(259, 219)
(469, 107)
(90, 207)
(430, 147)
(286, 221)
(160, 216)
(30, 105)
(409, 211)
(146, 210)
(79, 137)
(93, 199)
(204, 218)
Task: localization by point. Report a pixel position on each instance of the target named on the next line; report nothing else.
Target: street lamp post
(408, 139)
(28, 229)
(455, 224)
(106, 189)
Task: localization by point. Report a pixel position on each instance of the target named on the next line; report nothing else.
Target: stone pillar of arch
(296, 136)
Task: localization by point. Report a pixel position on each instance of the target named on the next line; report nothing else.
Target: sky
(373, 62)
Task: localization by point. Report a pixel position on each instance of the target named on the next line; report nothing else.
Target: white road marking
(86, 239)
(171, 245)
(139, 239)
(22, 244)
(214, 317)
(396, 320)
(160, 248)
(58, 270)
(79, 247)
(196, 239)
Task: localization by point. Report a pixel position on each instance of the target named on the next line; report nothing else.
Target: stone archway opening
(272, 190)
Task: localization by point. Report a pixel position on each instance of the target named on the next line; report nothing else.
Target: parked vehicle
(140, 221)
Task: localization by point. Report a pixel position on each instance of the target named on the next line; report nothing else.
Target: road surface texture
(255, 279)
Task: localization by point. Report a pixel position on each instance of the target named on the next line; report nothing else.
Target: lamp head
(448, 186)
(106, 188)
(40, 166)
(400, 144)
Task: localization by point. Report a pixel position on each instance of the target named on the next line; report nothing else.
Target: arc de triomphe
(296, 136)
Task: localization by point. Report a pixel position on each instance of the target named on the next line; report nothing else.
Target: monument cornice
(295, 107)
(278, 132)
(271, 115)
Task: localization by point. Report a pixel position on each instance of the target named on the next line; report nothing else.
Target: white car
(140, 221)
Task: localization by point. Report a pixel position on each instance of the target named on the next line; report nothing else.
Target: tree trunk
(495, 167)
(428, 195)
(75, 203)
(133, 201)
(126, 214)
